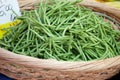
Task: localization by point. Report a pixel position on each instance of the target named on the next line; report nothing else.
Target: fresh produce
(62, 30)
(113, 3)
(107, 0)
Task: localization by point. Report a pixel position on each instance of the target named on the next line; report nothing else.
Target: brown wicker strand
(23, 67)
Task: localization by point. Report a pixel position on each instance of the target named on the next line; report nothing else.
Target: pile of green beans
(62, 31)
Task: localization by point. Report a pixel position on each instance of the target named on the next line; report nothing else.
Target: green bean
(62, 30)
(4, 44)
(37, 34)
(17, 45)
(80, 51)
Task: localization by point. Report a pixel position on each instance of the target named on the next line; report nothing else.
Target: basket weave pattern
(26, 73)
(27, 68)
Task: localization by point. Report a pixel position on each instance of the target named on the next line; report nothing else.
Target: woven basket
(22, 67)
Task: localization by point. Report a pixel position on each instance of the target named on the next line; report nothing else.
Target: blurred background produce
(114, 3)
(107, 0)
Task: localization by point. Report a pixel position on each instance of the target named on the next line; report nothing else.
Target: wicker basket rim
(58, 65)
(64, 65)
